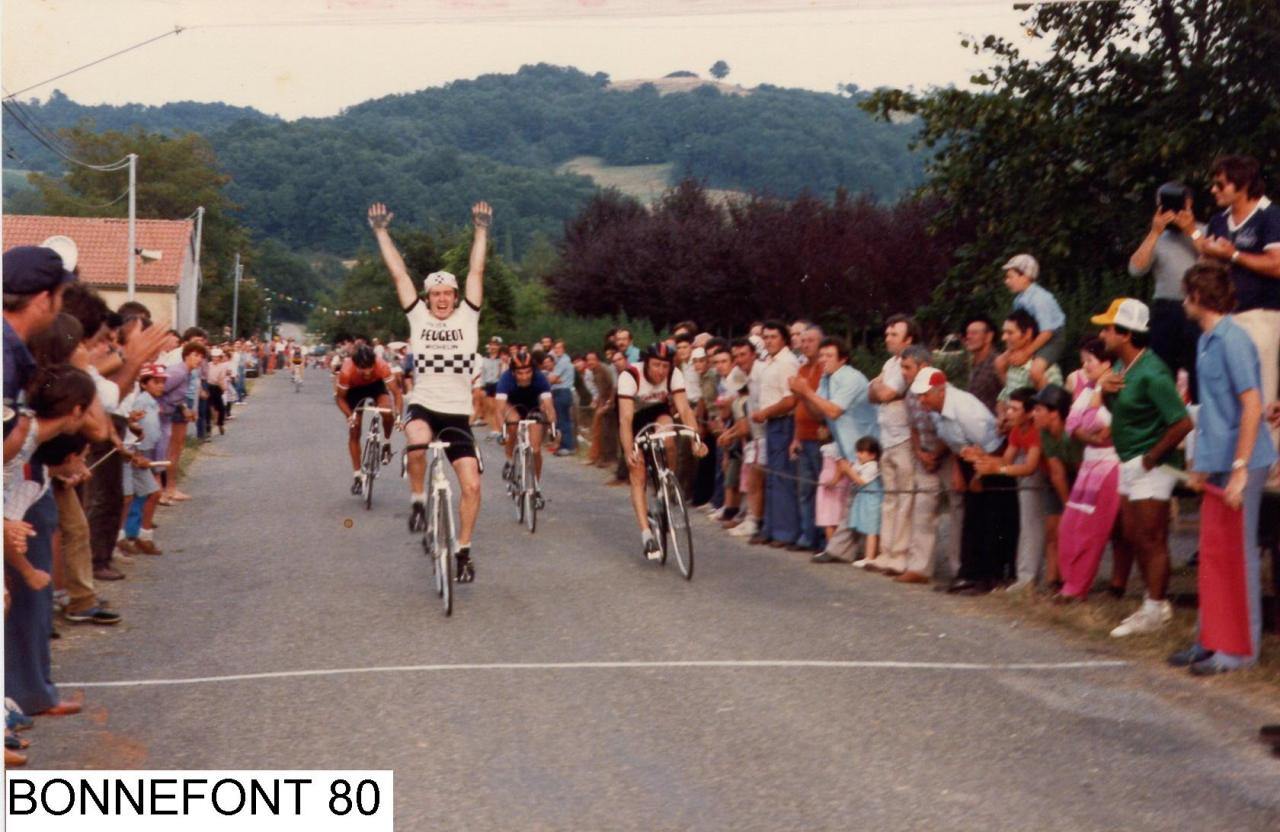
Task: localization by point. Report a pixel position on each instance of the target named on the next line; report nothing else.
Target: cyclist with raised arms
(365, 376)
(444, 335)
(522, 390)
(649, 393)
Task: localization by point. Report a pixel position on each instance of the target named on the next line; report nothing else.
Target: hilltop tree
(720, 70)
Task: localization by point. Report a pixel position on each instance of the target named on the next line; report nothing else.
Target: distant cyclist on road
(365, 376)
(443, 337)
(649, 393)
(523, 390)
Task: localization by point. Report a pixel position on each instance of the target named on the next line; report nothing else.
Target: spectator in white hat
(1148, 420)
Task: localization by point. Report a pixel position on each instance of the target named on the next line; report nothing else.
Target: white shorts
(1137, 483)
(753, 452)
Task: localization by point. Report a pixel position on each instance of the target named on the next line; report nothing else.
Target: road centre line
(634, 665)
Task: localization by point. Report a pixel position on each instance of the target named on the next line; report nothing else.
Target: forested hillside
(431, 153)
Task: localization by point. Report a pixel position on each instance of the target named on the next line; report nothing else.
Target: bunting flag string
(276, 297)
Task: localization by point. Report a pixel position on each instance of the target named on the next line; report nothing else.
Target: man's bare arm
(481, 218)
(380, 221)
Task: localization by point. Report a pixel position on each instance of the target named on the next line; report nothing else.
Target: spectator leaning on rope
(1232, 452)
(932, 477)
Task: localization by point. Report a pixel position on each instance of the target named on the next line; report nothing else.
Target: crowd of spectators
(98, 407)
(1035, 471)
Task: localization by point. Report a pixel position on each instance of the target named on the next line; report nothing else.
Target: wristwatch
(1235, 255)
(1197, 234)
(1239, 465)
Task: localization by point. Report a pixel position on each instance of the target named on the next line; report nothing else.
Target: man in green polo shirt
(1148, 420)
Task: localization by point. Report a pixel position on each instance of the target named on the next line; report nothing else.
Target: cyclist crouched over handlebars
(648, 394)
(525, 391)
(365, 376)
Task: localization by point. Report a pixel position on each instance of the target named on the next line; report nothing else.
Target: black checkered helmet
(444, 279)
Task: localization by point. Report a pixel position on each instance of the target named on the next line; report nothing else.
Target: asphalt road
(555, 697)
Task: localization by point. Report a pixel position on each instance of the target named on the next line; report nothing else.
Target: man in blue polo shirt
(1246, 236)
(1231, 450)
(561, 379)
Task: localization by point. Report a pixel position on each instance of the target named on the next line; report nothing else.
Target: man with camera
(1166, 253)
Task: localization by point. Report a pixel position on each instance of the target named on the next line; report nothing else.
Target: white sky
(313, 57)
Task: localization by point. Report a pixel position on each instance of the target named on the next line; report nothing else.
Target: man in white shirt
(897, 463)
(777, 404)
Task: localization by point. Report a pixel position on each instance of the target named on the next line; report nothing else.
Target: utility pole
(235, 300)
(133, 223)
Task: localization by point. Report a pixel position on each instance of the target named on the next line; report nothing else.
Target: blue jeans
(808, 469)
(240, 382)
(782, 522)
(563, 400)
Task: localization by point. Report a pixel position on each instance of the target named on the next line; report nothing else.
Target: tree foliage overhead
(501, 137)
(847, 263)
(1062, 157)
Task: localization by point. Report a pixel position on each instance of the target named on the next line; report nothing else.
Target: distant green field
(644, 182)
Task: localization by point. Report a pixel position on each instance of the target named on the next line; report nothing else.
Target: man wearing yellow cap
(1148, 420)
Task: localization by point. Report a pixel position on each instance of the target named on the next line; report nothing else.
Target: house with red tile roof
(167, 275)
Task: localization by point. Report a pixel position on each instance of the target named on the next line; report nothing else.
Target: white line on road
(728, 663)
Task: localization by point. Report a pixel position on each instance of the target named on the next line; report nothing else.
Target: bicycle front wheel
(370, 467)
(444, 551)
(679, 535)
(530, 509)
(517, 484)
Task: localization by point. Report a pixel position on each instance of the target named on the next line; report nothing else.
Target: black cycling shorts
(459, 448)
(491, 390)
(374, 391)
(643, 418)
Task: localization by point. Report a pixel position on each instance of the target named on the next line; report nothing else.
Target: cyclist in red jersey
(365, 376)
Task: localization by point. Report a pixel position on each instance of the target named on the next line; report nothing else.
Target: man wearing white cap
(444, 334)
(989, 515)
(1148, 420)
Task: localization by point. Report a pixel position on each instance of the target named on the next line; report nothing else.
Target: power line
(175, 31)
(12, 108)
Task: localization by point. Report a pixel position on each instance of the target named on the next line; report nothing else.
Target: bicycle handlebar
(651, 433)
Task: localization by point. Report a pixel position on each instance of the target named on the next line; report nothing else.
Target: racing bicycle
(371, 455)
(522, 481)
(668, 517)
(439, 537)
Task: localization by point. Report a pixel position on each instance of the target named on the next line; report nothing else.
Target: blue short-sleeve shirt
(1043, 306)
(848, 389)
(1226, 366)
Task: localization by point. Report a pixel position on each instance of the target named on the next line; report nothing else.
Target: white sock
(145, 534)
(646, 535)
(420, 498)
(121, 535)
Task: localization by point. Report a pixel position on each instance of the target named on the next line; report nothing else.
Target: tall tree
(1060, 157)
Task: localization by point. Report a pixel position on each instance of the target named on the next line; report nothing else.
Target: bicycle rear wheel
(370, 468)
(444, 551)
(530, 510)
(677, 525)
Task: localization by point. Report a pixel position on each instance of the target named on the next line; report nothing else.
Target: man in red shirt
(806, 445)
(365, 376)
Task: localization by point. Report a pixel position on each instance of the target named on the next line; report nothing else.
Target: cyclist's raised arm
(379, 221)
(481, 217)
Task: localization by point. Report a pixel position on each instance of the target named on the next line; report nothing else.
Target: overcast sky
(313, 57)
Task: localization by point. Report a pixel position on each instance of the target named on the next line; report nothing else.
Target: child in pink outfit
(831, 508)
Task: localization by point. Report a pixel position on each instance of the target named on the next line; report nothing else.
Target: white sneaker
(1150, 617)
(861, 563)
(747, 528)
(717, 515)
